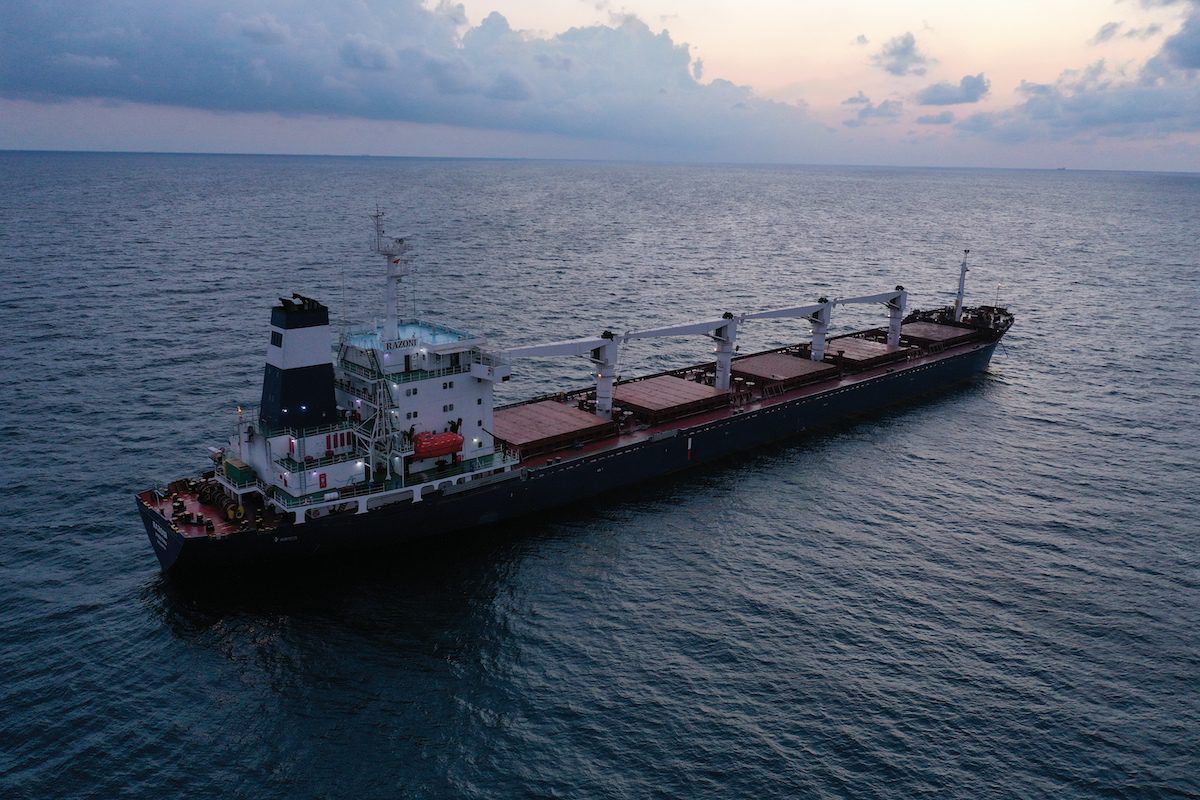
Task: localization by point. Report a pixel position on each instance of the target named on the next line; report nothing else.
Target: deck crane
(817, 314)
(723, 331)
(600, 350)
(895, 301)
(603, 350)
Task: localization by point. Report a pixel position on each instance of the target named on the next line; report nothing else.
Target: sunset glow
(1078, 83)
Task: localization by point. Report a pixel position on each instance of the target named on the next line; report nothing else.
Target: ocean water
(991, 593)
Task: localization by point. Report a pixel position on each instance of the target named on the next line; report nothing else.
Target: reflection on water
(988, 593)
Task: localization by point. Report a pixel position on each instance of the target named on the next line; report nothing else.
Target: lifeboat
(432, 445)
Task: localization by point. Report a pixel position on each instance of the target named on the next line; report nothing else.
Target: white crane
(818, 315)
(601, 350)
(723, 331)
(895, 301)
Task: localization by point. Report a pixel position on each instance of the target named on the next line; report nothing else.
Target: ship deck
(548, 424)
(665, 397)
(744, 400)
(187, 514)
(926, 333)
(781, 369)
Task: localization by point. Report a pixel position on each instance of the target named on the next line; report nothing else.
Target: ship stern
(165, 540)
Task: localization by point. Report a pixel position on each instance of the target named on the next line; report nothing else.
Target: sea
(990, 593)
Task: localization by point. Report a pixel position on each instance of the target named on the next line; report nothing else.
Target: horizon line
(560, 160)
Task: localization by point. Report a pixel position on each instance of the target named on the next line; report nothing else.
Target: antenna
(394, 249)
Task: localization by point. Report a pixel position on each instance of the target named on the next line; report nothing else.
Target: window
(478, 401)
(479, 424)
(445, 385)
(276, 339)
(448, 407)
(451, 384)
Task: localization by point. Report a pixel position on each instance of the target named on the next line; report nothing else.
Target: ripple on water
(991, 593)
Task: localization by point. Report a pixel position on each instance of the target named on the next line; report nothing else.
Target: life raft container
(432, 445)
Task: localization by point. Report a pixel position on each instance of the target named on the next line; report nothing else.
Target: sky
(1087, 84)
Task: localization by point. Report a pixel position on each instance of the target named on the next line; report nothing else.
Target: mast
(394, 249)
(962, 286)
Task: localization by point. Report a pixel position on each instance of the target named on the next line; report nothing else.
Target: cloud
(1147, 32)
(944, 118)
(1093, 102)
(886, 112)
(1110, 30)
(1183, 49)
(1107, 31)
(359, 52)
(455, 13)
(1155, 100)
(862, 39)
(90, 62)
(262, 29)
(900, 56)
(396, 60)
(971, 89)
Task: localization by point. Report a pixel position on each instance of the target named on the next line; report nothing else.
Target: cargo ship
(390, 434)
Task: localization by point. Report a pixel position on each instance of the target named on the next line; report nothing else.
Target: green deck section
(239, 473)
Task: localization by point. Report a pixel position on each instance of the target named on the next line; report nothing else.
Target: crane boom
(817, 314)
(794, 311)
(683, 329)
(602, 350)
(887, 298)
(723, 330)
(570, 347)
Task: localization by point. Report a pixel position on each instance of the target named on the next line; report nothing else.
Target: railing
(347, 386)
(298, 433)
(423, 374)
(358, 369)
(292, 465)
(451, 470)
(288, 500)
(344, 493)
(238, 484)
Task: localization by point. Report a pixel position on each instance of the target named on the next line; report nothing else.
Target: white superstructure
(413, 412)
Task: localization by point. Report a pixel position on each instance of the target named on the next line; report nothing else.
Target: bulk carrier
(391, 435)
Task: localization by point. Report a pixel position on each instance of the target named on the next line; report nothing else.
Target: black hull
(556, 485)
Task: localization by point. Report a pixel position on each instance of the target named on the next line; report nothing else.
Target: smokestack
(298, 378)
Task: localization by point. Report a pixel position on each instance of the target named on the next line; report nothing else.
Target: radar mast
(395, 250)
